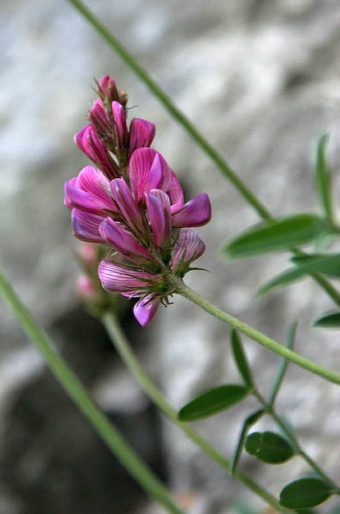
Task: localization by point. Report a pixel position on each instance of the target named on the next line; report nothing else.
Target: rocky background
(261, 80)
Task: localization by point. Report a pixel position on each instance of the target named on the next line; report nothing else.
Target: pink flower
(195, 213)
(86, 225)
(142, 133)
(88, 142)
(126, 204)
(189, 247)
(134, 204)
(90, 192)
(117, 278)
(122, 241)
(129, 281)
(158, 209)
(148, 170)
(145, 309)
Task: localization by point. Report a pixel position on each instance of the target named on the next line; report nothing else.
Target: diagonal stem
(255, 335)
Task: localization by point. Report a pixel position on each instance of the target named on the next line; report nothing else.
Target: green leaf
(289, 343)
(305, 493)
(279, 234)
(240, 358)
(269, 447)
(322, 177)
(306, 265)
(213, 401)
(328, 264)
(329, 321)
(251, 420)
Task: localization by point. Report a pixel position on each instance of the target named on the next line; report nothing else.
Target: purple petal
(145, 309)
(122, 241)
(142, 133)
(89, 191)
(158, 205)
(195, 213)
(107, 85)
(189, 247)
(120, 123)
(126, 203)
(148, 170)
(121, 279)
(98, 116)
(175, 193)
(86, 226)
(81, 140)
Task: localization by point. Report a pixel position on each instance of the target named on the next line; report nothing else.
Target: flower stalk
(181, 288)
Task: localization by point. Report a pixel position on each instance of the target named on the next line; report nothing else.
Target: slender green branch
(124, 350)
(295, 443)
(253, 334)
(100, 423)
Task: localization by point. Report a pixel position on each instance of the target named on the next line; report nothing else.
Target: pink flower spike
(145, 309)
(122, 241)
(189, 247)
(121, 279)
(142, 133)
(158, 206)
(126, 203)
(148, 170)
(86, 226)
(195, 213)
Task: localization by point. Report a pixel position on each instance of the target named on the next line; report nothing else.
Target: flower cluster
(132, 201)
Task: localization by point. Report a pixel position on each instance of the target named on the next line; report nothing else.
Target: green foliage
(240, 358)
(249, 422)
(213, 401)
(322, 177)
(328, 265)
(305, 493)
(329, 321)
(269, 447)
(280, 234)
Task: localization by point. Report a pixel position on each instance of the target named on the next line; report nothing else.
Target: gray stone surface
(261, 80)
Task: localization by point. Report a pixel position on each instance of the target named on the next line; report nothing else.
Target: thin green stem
(295, 443)
(124, 350)
(253, 334)
(100, 423)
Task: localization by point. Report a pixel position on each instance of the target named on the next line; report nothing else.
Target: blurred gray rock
(261, 80)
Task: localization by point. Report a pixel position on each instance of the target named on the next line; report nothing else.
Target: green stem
(296, 445)
(124, 350)
(253, 334)
(100, 423)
